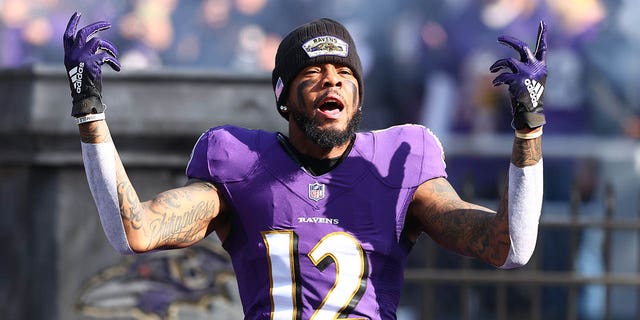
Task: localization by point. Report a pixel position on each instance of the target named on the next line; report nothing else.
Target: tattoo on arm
(130, 207)
(179, 225)
(526, 152)
(465, 228)
(176, 222)
(94, 132)
(175, 218)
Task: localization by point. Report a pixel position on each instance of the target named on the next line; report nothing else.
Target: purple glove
(83, 58)
(526, 79)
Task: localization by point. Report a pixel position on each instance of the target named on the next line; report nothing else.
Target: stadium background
(188, 65)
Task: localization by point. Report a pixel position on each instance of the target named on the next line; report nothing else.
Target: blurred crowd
(427, 61)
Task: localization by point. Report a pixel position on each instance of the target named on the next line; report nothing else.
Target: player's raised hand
(84, 56)
(526, 79)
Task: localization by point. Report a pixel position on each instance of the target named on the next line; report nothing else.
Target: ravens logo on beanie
(317, 42)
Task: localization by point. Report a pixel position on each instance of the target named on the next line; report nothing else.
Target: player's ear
(284, 111)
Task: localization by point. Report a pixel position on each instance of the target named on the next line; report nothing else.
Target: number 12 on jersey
(339, 248)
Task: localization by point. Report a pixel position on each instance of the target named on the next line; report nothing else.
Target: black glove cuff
(529, 120)
(86, 106)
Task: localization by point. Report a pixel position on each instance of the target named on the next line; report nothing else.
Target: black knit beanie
(317, 42)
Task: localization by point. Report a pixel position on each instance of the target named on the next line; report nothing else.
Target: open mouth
(331, 108)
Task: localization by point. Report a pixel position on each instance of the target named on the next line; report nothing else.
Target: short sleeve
(434, 161)
(198, 164)
(224, 154)
(407, 155)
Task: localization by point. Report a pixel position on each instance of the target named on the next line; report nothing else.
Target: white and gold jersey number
(339, 248)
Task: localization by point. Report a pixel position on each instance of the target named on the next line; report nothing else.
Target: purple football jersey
(318, 247)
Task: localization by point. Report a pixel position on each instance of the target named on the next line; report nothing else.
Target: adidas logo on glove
(535, 89)
(75, 75)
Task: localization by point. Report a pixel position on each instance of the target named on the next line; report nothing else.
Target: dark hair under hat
(317, 42)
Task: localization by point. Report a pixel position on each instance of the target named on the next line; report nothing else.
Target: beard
(326, 138)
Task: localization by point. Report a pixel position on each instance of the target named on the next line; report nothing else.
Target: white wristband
(90, 118)
(528, 136)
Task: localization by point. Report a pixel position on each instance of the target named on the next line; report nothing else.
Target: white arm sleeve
(525, 207)
(100, 167)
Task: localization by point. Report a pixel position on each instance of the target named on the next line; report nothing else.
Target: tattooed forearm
(174, 218)
(473, 234)
(526, 152)
(460, 226)
(503, 206)
(130, 207)
(94, 132)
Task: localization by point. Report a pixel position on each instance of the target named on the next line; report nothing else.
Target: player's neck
(313, 165)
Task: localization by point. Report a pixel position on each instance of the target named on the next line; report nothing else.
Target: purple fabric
(526, 78)
(365, 197)
(84, 56)
(84, 47)
(530, 65)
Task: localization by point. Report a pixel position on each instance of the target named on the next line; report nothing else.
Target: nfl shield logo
(316, 191)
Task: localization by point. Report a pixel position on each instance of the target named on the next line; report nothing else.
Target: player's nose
(330, 77)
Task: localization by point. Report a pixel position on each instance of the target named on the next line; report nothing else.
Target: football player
(319, 220)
